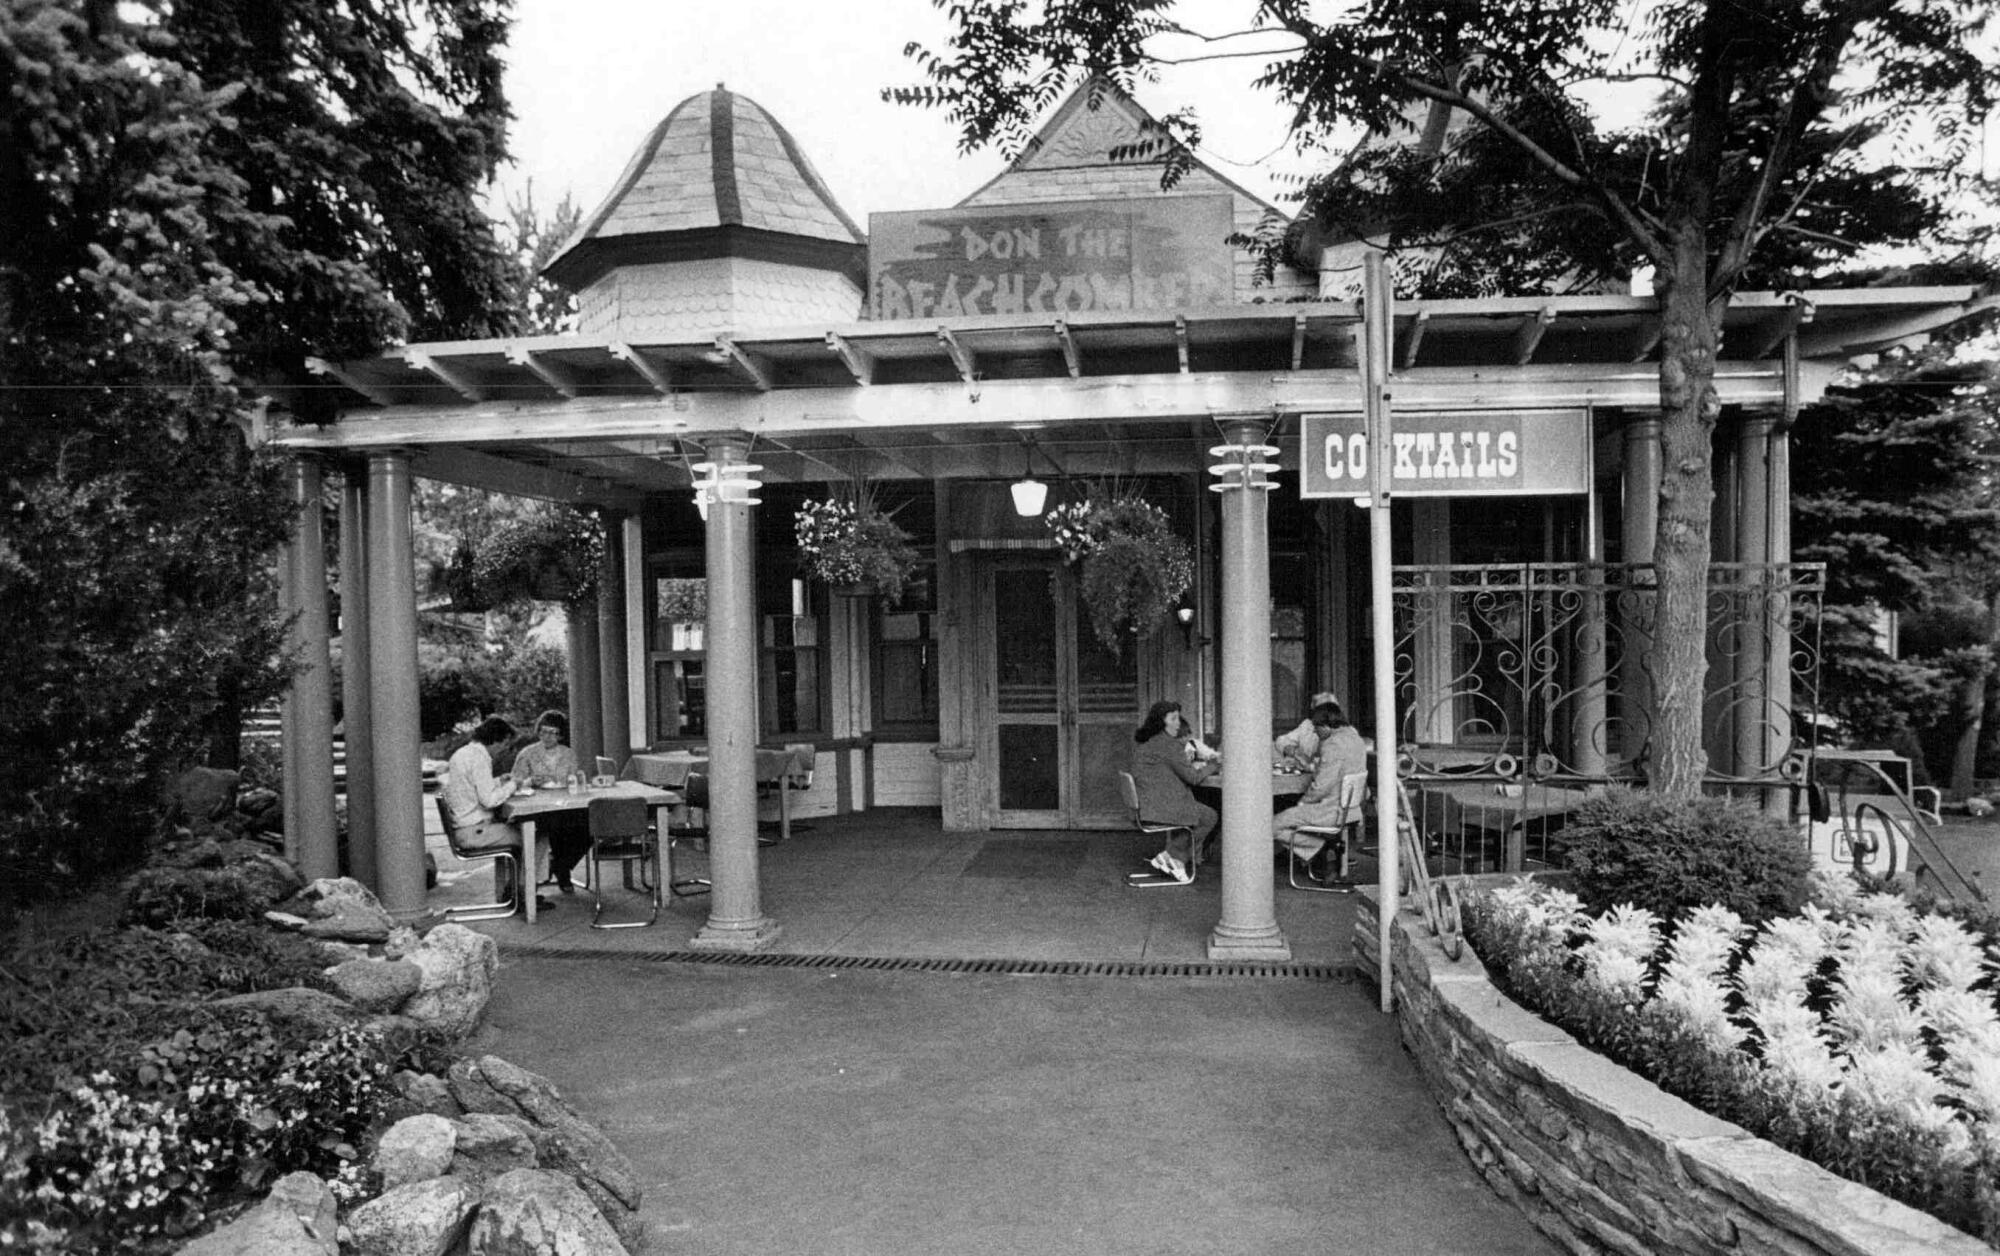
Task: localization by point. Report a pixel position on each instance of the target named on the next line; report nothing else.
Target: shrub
(1669, 855)
(163, 896)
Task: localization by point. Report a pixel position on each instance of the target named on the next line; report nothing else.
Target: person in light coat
(1341, 753)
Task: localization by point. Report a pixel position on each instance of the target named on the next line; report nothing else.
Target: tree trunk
(1972, 704)
(1689, 409)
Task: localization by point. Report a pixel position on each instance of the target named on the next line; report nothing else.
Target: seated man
(470, 792)
(1340, 753)
(1298, 749)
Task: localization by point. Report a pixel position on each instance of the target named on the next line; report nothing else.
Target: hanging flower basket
(1132, 567)
(853, 545)
(548, 557)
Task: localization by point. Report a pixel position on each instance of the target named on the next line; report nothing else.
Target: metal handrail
(1912, 827)
(1438, 898)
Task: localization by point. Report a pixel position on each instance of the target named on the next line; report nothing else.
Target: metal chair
(620, 829)
(1353, 792)
(506, 861)
(694, 796)
(1148, 879)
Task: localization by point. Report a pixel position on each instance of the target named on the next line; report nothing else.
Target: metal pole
(1377, 328)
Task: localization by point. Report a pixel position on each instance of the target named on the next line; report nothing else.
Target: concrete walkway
(835, 1108)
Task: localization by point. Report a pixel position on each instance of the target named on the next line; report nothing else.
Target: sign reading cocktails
(1486, 453)
(1060, 257)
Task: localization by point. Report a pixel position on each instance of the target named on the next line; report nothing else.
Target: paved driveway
(820, 1110)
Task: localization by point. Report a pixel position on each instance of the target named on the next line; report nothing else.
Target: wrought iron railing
(1523, 687)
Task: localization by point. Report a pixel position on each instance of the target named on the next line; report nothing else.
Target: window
(680, 617)
(791, 662)
(903, 640)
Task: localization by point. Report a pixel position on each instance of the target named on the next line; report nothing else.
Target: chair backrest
(451, 831)
(1130, 788)
(1353, 791)
(694, 791)
(803, 760)
(606, 765)
(617, 817)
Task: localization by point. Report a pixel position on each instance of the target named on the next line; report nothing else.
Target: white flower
(1943, 953)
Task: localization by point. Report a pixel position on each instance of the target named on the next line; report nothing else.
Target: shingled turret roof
(717, 176)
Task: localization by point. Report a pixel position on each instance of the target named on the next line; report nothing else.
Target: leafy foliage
(192, 196)
(849, 540)
(1670, 854)
(1858, 1035)
(551, 553)
(520, 679)
(1134, 568)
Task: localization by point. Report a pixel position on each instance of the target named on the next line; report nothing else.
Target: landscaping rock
(564, 1141)
(458, 967)
(375, 985)
(286, 921)
(331, 952)
(298, 1218)
(529, 1212)
(343, 908)
(427, 1092)
(415, 1149)
(201, 794)
(402, 940)
(421, 1219)
(320, 1010)
(488, 1145)
(272, 875)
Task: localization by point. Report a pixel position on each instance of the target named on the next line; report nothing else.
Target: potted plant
(852, 544)
(1132, 566)
(549, 556)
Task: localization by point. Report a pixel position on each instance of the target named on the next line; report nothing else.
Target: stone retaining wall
(1598, 1158)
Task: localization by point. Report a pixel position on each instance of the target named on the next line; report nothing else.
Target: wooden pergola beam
(961, 357)
(860, 363)
(1413, 339)
(456, 380)
(1529, 334)
(380, 396)
(544, 369)
(750, 366)
(1071, 358)
(649, 370)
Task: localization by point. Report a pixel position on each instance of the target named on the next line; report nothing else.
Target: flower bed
(1598, 1157)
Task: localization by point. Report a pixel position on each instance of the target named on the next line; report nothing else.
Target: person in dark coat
(1164, 769)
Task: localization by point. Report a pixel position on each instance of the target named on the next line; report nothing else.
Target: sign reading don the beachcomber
(1058, 257)
(1450, 454)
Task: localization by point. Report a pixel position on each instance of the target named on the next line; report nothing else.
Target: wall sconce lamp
(730, 483)
(1185, 614)
(1242, 464)
(1030, 494)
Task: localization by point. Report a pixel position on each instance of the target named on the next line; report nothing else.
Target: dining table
(670, 769)
(1482, 811)
(528, 804)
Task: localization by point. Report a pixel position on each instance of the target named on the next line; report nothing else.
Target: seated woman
(1341, 753)
(551, 762)
(470, 792)
(1165, 775)
(1298, 749)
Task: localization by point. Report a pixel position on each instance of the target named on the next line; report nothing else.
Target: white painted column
(736, 920)
(392, 688)
(356, 721)
(1249, 925)
(312, 688)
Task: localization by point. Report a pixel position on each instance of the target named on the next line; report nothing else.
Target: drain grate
(1005, 967)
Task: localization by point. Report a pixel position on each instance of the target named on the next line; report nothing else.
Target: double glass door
(1064, 705)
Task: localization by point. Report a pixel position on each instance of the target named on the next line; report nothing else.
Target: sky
(588, 79)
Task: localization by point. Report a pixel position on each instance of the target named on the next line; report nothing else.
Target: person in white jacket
(470, 792)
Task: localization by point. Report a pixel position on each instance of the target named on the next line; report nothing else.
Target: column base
(1239, 946)
(748, 936)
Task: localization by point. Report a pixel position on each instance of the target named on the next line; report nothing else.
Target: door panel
(1063, 704)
